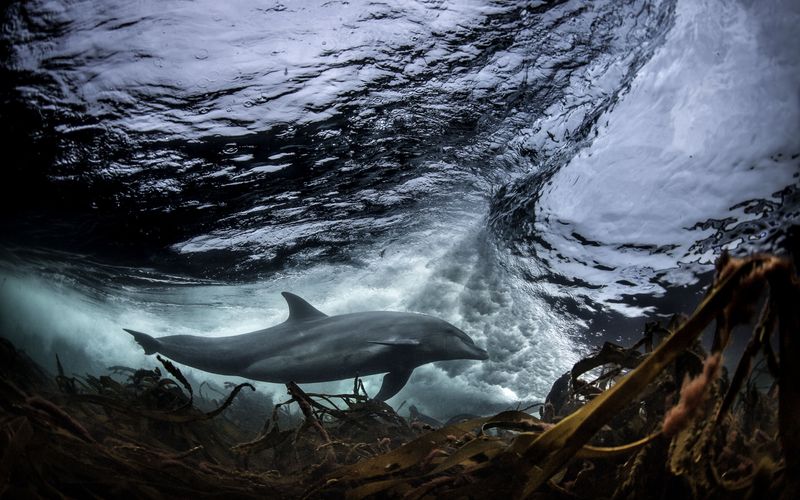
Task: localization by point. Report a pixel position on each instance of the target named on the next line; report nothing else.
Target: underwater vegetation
(659, 419)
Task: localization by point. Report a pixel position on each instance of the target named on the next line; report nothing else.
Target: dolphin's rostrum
(311, 346)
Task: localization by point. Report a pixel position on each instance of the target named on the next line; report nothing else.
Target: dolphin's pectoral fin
(300, 310)
(392, 383)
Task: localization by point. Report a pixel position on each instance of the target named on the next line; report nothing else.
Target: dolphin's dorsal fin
(300, 310)
(396, 342)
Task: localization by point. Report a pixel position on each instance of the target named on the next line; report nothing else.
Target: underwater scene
(411, 249)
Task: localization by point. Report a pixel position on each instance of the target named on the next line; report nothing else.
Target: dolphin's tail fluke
(148, 343)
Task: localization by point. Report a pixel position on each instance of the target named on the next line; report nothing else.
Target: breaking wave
(520, 169)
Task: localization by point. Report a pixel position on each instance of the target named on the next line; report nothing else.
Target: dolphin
(311, 346)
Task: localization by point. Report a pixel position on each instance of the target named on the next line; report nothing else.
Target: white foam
(693, 137)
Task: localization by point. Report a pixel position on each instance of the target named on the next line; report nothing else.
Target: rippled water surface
(520, 169)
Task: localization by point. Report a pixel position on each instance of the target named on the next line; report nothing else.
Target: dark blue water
(538, 173)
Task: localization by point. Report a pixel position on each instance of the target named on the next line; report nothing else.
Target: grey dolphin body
(311, 346)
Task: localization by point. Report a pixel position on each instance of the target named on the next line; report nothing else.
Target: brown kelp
(660, 419)
(697, 451)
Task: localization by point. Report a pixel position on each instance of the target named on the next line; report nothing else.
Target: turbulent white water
(709, 130)
(511, 168)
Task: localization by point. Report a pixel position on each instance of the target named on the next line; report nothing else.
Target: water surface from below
(518, 169)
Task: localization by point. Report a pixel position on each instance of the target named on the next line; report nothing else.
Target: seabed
(659, 419)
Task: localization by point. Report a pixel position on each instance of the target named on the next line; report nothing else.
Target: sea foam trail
(442, 273)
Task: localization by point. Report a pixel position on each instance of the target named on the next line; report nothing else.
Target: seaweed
(683, 448)
(659, 419)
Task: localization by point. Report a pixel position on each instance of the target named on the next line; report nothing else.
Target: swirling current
(541, 174)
